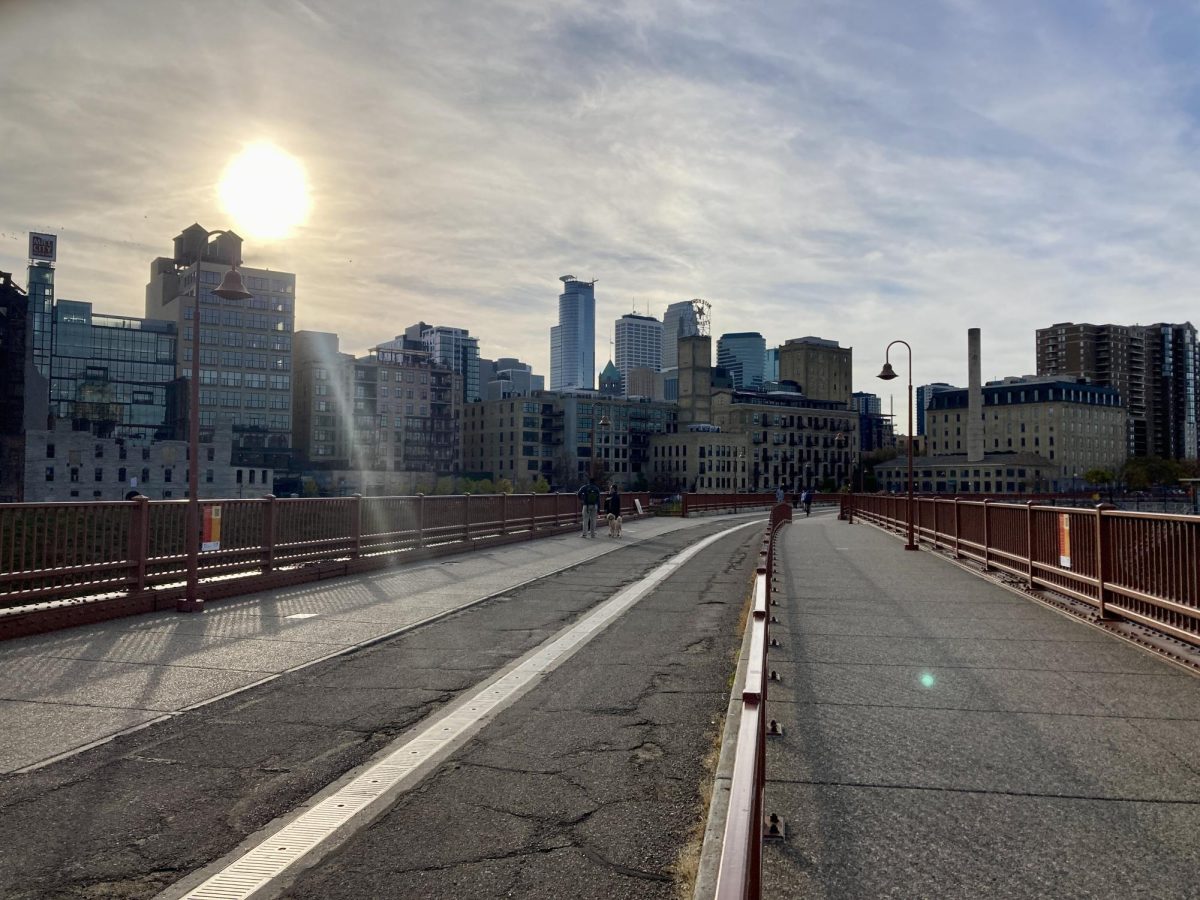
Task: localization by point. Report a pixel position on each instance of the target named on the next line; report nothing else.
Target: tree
(540, 485)
(1098, 476)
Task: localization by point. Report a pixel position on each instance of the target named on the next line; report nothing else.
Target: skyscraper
(573, 339)
(638, 344)
(680, 320)
(744, 355)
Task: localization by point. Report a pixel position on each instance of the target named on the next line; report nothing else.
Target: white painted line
(411, 757)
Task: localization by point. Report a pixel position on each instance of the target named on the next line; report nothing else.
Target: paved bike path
(946, 737)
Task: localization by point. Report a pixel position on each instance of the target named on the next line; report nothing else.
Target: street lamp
(231, 289)
(888, 374)
(602, 423)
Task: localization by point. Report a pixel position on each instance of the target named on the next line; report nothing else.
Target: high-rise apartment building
(743, 354)
(639, 341)
(1152, 367)
(1171, 359)
(245, 346)
(820, 367)
(1109, 355)
(453, 347)
(924, 393)
(573, 339)
(679, 321)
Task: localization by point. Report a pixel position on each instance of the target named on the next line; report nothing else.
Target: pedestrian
(779, 494)
(612, 510)
(589, 496)
(806, 500)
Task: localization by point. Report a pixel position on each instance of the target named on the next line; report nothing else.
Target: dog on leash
(614, 525)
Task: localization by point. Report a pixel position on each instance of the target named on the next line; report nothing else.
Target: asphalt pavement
(591, 785)
(945, 737)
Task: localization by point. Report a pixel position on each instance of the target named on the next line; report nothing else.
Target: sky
(860, 171)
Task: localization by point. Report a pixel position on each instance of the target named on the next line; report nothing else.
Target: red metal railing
(75, 553)
(739, 874)
(1143, 567)
(716, 502)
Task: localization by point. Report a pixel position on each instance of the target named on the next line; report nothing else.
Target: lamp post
(231, 289)
(888, 374)
(594, 471)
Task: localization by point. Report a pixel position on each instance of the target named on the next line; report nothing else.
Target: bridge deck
(947, 737)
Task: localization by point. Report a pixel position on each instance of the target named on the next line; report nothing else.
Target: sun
(265, 191)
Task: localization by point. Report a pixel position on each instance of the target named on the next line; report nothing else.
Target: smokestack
(974, 398)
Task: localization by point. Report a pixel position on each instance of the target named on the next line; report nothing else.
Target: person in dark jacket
(589, 496)
(612, 510)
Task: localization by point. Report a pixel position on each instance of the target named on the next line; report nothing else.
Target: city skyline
(860, 175)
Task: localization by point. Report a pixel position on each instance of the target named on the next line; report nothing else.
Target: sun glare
(265, 191)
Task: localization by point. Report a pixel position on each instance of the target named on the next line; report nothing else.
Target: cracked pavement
(591, 785)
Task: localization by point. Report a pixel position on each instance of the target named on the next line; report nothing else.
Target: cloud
(858, 170)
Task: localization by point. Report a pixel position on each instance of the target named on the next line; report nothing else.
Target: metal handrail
(739, 873)
(57, 552)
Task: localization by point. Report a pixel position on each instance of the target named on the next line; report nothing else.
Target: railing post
(504, 513)
(1103, 557)
(683, 505)
(1029, 540)
(139, 543)
(420, 520)
(957, 529)
(268, 536)
(556, 510)
(987, 538)
(467, 517)
(532, 514)
(356, 526)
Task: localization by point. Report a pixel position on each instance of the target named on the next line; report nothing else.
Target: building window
(74, 474)
(49, 473)
(49, 451)
(208, 476)
(121, 474)
(99, 475)
(167, 473)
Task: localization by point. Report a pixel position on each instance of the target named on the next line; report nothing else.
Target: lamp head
(888, 372)
(232, 288)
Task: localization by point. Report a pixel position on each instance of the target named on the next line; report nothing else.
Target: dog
(614, 525)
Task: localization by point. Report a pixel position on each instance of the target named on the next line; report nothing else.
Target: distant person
(589, 496)
(612, 511)
(779, 494)
(806, 501)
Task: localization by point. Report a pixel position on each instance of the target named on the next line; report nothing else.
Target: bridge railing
(68, 555)
(1142, 567)
(734, 502)
(739, 874)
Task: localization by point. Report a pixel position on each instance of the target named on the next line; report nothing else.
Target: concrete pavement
(70, 689)
(945, 737)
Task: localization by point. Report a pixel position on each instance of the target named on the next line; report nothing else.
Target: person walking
(806, 500)
(779, 494)
(612, 510)
(589, 496)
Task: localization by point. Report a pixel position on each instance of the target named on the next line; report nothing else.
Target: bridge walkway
(947, 737)
(591, 783)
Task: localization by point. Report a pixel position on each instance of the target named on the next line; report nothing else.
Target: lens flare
(927, 679)
(264, 191)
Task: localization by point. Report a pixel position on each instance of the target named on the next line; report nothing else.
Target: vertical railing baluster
(268, 533)
(356, 525)
(1103, 554)
(987, 543)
